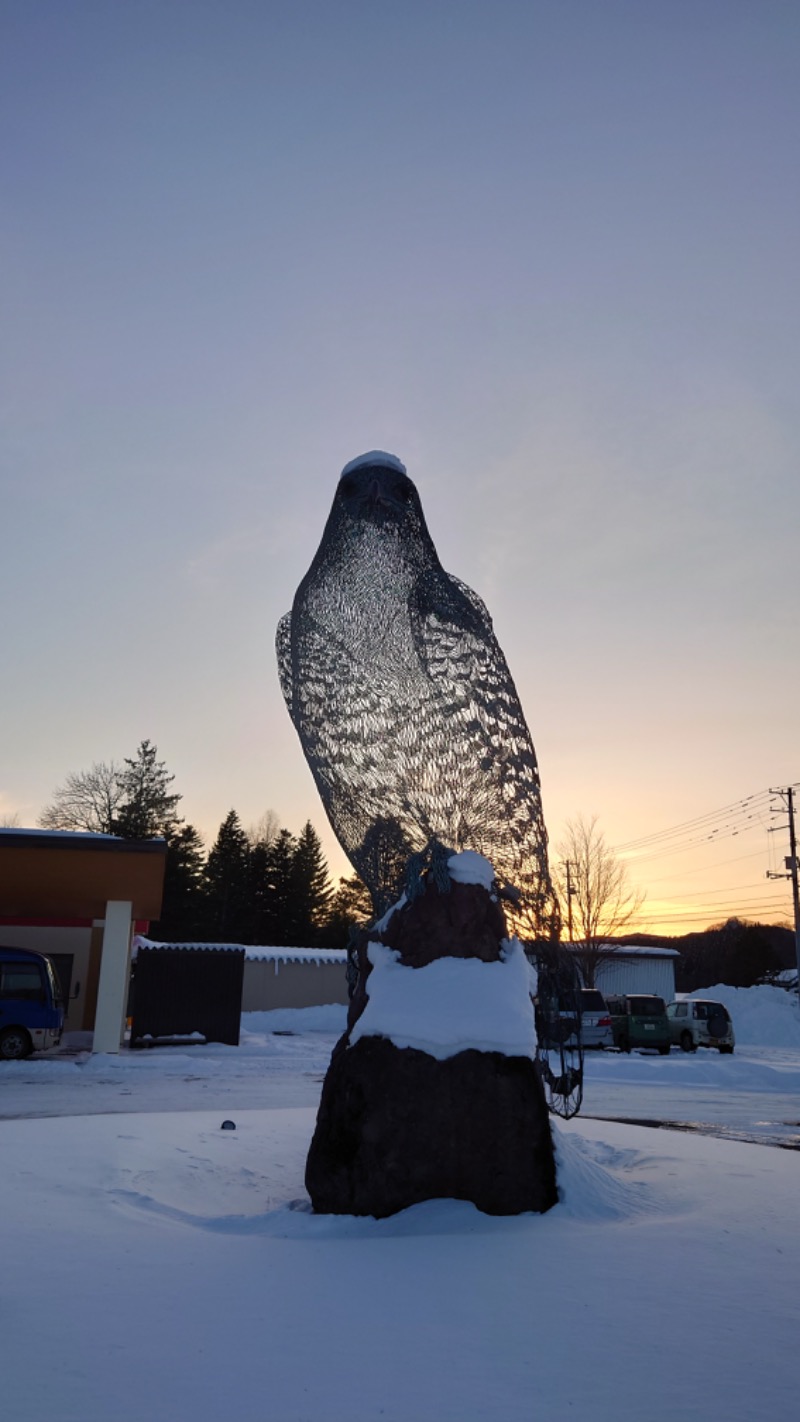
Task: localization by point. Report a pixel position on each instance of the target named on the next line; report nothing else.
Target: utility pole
(570, 892)
(791, 863)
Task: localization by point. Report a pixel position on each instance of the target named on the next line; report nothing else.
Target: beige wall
(57, 940)
(293, 985)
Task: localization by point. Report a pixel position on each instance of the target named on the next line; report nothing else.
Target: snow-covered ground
(155, 1265)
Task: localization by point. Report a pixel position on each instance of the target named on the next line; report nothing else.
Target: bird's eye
(347, 487)
(405, 491)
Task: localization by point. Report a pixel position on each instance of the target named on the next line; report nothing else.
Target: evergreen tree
(311, 888)
(351, 905)
(183, 910)
(279, 918)
(736, 952)
(259, 924)
(227, 882)
(147, 806)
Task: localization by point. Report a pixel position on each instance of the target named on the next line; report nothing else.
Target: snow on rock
(469, 867)
(451, 1005)
(375, 456)
(395, 908)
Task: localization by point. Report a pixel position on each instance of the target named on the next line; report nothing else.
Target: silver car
(595, 1019)
(699, 1022)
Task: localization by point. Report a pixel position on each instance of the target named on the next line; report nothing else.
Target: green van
(640, 1020)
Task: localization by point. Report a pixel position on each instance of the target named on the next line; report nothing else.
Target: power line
(701, 910)
(720, 913)
(725, 830)
(732, 904)
(690, 825)
(704, 868)
(748, 806)
(732, 888)
(716, 837)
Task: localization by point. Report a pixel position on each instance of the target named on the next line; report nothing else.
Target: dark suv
(640, 1020)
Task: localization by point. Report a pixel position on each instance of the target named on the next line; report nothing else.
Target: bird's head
(376, 489)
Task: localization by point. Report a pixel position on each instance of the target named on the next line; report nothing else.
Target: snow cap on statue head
(374, 457)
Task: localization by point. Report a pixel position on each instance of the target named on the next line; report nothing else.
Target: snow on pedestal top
(375, 456)
(469, 867)
(451, 1005)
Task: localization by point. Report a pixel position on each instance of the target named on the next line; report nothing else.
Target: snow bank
(589, 1188)
(451, 1005)
(332, 1017)
(187, 1278)
(762, 1016)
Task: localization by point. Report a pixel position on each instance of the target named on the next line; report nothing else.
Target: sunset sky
(545, 251)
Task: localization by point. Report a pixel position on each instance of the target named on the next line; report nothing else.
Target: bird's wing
(478, 733)
(283, 647)
(456, 644)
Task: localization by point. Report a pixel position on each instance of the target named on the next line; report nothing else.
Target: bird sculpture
(403, 701)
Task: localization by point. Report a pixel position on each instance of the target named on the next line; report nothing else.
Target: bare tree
(10, 820)
(592, 885)
(264, 830)
(88, 800)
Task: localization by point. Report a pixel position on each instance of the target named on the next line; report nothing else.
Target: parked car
(640, 1020)
(595, 1019)
(31, 1006)
(700, 1022)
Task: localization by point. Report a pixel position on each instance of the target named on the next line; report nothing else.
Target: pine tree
(311, 888)
(227, 881)
(351, 905)
(183, 910)
(279, 920)
(147, 806)
(259, 922)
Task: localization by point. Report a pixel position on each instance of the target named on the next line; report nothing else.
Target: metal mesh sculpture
(403, 701)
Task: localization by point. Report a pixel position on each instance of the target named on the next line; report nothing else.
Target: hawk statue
(403, 702)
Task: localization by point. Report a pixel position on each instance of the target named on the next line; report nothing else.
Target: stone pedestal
(397, 1125)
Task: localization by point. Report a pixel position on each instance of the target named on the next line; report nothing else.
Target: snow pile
(330, 1017)
(468, 867)
(184, 1260)
(762, 1016)
(451, 1005)
(589, 1188)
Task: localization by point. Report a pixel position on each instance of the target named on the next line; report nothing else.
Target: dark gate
(180, 991)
